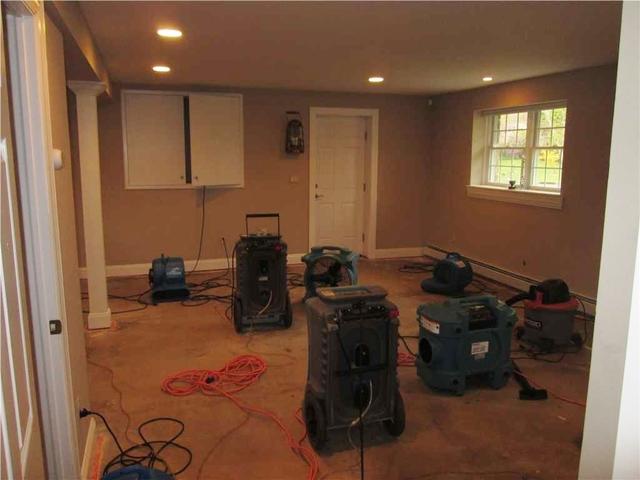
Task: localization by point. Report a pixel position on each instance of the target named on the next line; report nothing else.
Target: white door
(338, 188)
(20, 442)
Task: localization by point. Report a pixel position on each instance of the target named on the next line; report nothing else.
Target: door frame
(26, 52)
(370, 198)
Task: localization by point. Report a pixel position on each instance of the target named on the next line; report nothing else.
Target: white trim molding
(206, 264)
(533, 198)
(371, 116)
(88, 449)
(402, 252)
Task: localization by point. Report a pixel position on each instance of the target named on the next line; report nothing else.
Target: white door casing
(343, 178)
(27, 60)
(20, 435)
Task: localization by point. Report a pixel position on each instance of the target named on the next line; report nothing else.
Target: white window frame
(525, 193)
(533, 113)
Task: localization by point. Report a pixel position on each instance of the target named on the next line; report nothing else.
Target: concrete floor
(484, 434)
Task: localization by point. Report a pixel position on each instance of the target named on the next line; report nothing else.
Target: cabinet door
(154, 140)
(217, 151)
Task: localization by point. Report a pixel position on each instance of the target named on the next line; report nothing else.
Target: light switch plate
(56, 154)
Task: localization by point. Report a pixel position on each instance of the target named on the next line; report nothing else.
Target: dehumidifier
(260, 297)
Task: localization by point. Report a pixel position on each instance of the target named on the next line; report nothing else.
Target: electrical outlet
(294, 179)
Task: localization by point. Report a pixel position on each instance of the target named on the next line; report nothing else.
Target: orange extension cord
(406, 360)
(235, 376)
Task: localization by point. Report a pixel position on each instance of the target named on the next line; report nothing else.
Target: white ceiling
(419, 47)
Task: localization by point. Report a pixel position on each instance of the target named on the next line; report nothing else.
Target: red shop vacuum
(549, 312)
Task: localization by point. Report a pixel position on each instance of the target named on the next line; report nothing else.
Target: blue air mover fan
(167, 280)
(329, 266)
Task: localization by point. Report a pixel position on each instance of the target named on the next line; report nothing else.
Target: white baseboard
(88, 449)
(204, 264)
(506, 277)
(399, 252)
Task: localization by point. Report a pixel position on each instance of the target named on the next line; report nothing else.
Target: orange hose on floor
(235, 376)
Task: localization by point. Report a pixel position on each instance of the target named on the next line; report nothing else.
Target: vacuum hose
(518, 298)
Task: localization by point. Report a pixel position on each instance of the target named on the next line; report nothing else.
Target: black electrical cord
(403, 339)
(146, 453)
(350, 373)
(200, 292)
(227, 312)
(542, 355)
(585, 319)
(295, 280)
(202, 222)
(417, 267)
(134, 298)
(361, 440)
(480, 287)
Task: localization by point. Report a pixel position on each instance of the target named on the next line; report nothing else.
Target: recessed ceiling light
(161, 69)
(169, 32)
(376, 79)
(487, 79)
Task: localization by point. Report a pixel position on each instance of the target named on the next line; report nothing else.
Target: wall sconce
(294, 143)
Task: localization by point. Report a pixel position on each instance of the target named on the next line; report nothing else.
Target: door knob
(319, 196)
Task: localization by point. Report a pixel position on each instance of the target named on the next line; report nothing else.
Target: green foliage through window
(526, 147)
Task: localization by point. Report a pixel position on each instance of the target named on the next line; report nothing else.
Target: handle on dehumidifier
(335, 247)
(261, 215)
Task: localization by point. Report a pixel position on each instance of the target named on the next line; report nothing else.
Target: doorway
(343, 178)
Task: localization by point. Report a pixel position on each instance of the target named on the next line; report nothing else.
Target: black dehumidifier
(353, 354)
(260, 296)
(451, 275)
(167, 280)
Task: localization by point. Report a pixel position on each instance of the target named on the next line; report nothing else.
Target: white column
(89, 151)
(611, 441)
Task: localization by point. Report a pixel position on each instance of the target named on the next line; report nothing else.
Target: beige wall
(534, 241)
(141, 224)
(67, 222)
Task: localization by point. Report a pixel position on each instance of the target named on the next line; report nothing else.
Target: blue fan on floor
(329, 266)
(138, 472)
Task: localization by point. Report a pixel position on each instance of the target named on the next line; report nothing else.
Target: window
(525, 147)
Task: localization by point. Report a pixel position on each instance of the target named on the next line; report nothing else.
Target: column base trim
(97, 320)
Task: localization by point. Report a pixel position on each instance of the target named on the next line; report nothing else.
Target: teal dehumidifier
(465, 337)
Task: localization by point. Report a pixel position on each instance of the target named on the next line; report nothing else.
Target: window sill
(523, 197)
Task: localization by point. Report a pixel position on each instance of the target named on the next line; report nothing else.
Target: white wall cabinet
(216, 139)
(182, 140)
